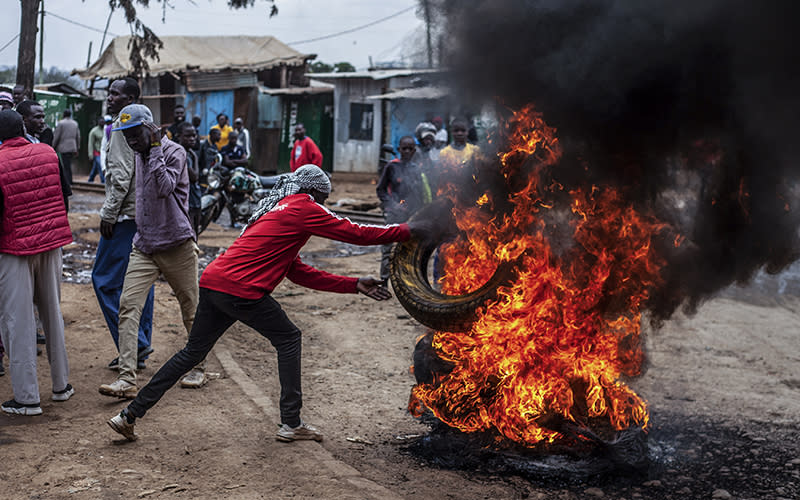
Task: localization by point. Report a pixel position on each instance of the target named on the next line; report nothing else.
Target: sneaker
(121, 425)
(119, 389)
(21, 409)
(63, 395)
(303, 431)
(194, 379)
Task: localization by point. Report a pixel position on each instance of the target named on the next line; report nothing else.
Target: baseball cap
(6, 96)
(427, 133)
(133, 115)
(108, 118)
(238, 120)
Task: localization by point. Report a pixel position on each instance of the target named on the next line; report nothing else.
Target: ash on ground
(682, 457)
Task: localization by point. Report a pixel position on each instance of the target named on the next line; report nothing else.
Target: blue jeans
(97, 169)
(216, 312)
(108, 276)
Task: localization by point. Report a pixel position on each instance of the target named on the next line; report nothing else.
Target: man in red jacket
(304, 151)
(33, 228)
(238, 285)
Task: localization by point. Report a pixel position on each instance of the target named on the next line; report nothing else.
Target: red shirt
(304, 152)
(268, 250)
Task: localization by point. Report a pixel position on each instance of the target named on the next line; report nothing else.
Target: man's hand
(155, 131)
(422, 229)
(106, 229)
(373, 289)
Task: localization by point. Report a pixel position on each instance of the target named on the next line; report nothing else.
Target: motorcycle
(239, 189)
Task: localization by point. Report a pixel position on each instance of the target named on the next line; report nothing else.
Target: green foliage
(319, 67)
(8, 74)
(344, 67)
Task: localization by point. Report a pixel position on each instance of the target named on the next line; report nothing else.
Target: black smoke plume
(689, 107)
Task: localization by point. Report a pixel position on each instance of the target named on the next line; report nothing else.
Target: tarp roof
(198, 53)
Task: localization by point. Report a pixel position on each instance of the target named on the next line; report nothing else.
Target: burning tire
(449, 313)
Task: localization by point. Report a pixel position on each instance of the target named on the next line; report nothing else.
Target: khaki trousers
(178, 265)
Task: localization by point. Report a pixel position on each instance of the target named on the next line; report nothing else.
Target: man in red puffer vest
(33, 228)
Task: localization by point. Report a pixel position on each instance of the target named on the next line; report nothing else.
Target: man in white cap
(164, 240)
(238, 286)
(242, 136)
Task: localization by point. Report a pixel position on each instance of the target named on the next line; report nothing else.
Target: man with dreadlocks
(238, 286)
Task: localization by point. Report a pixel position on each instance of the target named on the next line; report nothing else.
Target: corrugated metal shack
(235, 75)
(55, 98)
(408, 107)
(366, 115)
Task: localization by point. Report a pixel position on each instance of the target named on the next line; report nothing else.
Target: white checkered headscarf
(306, 177)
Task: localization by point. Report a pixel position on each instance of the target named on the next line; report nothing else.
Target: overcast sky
(66, 45)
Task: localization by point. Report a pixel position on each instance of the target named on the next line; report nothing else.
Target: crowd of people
(426, 161)
(146, 231)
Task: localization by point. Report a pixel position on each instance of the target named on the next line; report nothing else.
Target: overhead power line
(357, 28)
(9, 42)
(76, 23)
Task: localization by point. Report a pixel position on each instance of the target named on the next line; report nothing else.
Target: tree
(52, 75)
(320, 67)
(343, 67)
(144, 42)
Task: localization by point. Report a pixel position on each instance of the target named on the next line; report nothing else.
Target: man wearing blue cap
(164, 241)
(118, 223)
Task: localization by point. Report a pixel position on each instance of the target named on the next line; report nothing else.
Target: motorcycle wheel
(208, 216)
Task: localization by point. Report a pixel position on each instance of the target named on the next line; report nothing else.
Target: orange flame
(559, 340)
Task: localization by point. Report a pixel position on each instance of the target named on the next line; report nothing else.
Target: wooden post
(26, 57)
(427, 11)
(41, 45)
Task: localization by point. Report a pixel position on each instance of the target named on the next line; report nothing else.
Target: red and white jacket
(34, 219)
(268, 250)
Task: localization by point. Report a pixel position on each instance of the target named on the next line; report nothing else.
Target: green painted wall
(315, 111)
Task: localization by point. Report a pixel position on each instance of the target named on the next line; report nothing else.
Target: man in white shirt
(243, 137)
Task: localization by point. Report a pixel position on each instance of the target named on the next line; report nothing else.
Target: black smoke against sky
(636, 86)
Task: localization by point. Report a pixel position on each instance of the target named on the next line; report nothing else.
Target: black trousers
(66, 159)
(216, 312)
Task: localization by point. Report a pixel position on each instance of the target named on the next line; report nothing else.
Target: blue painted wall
(406, 114)
(207, 105)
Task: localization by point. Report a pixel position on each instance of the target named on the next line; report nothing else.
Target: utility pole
(427, 11)
(41, 46)
(26, 57)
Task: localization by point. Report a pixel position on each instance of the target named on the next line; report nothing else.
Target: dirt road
(723, 388)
